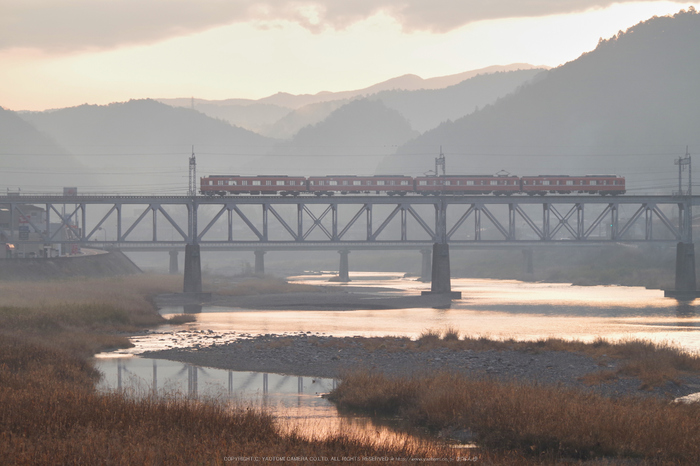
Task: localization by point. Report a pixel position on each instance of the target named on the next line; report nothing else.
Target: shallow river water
(493, 308)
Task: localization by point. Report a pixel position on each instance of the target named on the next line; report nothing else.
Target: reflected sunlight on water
(491, 308)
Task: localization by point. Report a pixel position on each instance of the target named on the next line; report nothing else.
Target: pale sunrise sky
(62, 53)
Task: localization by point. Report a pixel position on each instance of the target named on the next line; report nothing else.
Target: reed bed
(531, 421)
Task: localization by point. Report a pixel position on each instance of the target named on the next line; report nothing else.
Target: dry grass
(51, 413)
(128, 293)
(549, 423)
(652, 363)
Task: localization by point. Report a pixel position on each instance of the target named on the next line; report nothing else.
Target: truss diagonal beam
(317, 222)
(643, 208)
(563, 221)
(352, 221)
(529, 222)
(667, 222)
(421, 222)
(283, 223)
(460, 221)
(495, 221)
(385, 223)
(99, 224)
(597, 221)
(247, 222)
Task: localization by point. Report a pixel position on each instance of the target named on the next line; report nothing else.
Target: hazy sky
(59, 53)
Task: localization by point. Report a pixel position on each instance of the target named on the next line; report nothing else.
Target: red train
(400, 185)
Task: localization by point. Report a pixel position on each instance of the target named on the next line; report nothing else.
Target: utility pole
(682, 162)
(193, 175)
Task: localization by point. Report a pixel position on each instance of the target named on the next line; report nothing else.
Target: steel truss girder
(560, 215)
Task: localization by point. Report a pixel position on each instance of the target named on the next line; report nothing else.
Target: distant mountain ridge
(282, 115)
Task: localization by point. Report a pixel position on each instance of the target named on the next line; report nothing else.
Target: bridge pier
(686, 285)
(426, 265)
(260, 263)
(685, 267)
(440, 280)
(193, 269)
(344, 269)
(173, 262)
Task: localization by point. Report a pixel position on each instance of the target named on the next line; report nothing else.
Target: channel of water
(492, 308)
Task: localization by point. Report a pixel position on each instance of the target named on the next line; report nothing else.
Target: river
(492, 308)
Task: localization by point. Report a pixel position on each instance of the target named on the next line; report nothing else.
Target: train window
(422, 183)
(333, 183)
(569, 182)
(292, 182)
(380, 183)
(545, 182)
(256, 182)
(280, 183)
(470, 182)
(593, 182)
(268, 182)
(345, 182)
(404, 182)
(221, 182)
(357, 182)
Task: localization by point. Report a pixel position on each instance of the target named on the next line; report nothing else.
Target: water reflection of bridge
(142, 380)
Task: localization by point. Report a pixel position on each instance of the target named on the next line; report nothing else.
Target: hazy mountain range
(628, 107)
(282, 115)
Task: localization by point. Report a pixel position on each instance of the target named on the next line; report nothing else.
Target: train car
(467, 184)
(222, 185)
(565, 184)
(353, 184)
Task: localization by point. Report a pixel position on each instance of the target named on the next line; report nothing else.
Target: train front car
(467, 184)
(222, 185)
(354, 184)
(565, 184)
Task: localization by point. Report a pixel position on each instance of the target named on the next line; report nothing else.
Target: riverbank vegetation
(548, 424)
(52, 413)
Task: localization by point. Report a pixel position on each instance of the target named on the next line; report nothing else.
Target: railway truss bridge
(430, 224)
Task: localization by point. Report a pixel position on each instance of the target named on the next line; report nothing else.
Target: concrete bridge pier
(686, 285)
(260, 263)
(173, 262)
(344, 269)
(193, 269)
(426, 265)
(440, 280)
(685, 267)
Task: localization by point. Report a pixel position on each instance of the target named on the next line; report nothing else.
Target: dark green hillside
(628, 107)
(144, 145)
(32, 161)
